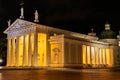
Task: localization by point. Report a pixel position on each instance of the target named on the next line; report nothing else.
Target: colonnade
(21, 50)
(96, 56)
(26, 50)
(31, 50)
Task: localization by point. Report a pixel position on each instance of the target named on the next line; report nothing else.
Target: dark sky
(75, 15)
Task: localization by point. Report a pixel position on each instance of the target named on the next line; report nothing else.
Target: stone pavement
(60, 69)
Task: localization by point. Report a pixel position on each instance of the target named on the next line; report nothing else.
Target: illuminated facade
(31, 44)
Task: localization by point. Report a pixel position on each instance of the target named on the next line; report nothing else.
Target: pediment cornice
(19, 25)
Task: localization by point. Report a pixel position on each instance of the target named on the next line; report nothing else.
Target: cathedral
(35, 45)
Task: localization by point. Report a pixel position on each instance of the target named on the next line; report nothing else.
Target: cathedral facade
(31, 44)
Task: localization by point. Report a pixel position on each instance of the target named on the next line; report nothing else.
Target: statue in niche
(56, 53)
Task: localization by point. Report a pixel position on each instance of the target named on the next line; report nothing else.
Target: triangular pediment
(19, 25)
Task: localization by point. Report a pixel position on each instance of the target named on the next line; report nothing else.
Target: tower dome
(107, 33)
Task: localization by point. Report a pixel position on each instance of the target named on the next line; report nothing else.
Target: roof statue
(36, 16)
(92, 33)
(22, 10)
(22, 13)
(9, 22)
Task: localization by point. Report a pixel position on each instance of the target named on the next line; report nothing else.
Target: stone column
(13, 52)
(86, 55)
(105, 57)
(90, 55)
(9, 52)
(98, 56)
(29, 50)
(95, 56)
(17, 52)
(102, 56)
(112, 56)
(47, 51)
(24, 52)
(35, 48)
(11, 55)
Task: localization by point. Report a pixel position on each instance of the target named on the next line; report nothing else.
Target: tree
(3, 45)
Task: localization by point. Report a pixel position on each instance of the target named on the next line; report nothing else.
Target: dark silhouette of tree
(3, 45)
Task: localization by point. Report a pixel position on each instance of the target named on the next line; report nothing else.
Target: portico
(26, 47)
(22, 50)
(31, 44)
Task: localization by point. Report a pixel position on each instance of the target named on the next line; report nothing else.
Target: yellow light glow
(26, 50)
(32, 49)
(97, 55)
(9, 53)
(20, 51)
(88, 55)
(108, 56)
(111, 56)
(13, 51)
(104, 56)
(93, 55)
(41, 49)
(101, 58)
(84, 53)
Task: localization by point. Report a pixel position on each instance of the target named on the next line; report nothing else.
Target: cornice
(19, 25)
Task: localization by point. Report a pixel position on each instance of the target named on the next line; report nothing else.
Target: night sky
(74, 15)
